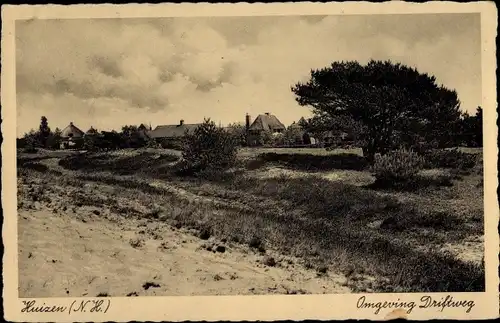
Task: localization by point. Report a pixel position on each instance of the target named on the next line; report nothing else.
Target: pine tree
(390, 105)
(44, 132)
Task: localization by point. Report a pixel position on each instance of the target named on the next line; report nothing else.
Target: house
(91, 132)
(264, 123)
(144, 131)
(171, 135)
(298, 134)
(71, 137)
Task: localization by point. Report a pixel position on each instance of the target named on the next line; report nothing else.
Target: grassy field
(311, 204)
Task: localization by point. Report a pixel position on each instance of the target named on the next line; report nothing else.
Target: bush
(208, 148)
(397, 166)
(449, 159)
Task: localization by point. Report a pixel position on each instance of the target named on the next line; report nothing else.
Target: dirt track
(83, 254)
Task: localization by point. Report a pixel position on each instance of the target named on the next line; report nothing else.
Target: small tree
(91, 140)
(265, 138)
(54, 139)
(209, 148)
(133, 137)
(44, 132)
(238, 131)
(31, 141)
(471, 130)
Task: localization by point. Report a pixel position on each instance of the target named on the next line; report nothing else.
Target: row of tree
(130, 136)
(44, 137)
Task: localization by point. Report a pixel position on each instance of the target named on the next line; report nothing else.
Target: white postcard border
(210, 308)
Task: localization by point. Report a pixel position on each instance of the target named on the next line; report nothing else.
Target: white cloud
(108, 73)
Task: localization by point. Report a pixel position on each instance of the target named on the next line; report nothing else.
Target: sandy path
(61, 255)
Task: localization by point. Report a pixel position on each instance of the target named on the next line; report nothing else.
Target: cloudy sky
(110, 72)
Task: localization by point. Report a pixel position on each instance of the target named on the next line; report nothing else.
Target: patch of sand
(348, 176)
(61, 255)
(469, 250)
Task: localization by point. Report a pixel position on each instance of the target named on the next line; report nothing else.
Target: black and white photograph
(236, 155)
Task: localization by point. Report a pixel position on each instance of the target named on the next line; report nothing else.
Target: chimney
(181, 122)
(267, 113)
(247, 121)
(71, 123)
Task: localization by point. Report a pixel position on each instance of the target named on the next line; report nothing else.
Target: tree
(133, 137)
(471, 130)
(390, 105)
(265, 138)
(44, 131)
(208, 148)
(92, 139)
(54, 139)
(31, 141)
(479, 127)
(109, 140)
(238, 131)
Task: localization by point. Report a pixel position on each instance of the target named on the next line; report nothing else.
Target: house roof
(91, 131)
(172, 131)
(143, 126)
(295, 125)
(267, 122)
(72, 131)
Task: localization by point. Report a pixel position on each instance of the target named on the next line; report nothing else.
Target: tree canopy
(389, 105)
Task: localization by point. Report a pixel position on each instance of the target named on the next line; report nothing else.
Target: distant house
(91, 132)
(71, 137)
(297, 135)
(171, 135)
(262, 124)
(144, 131)
(300, 135)
(327, 138)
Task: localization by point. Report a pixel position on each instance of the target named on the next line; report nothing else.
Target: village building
(71, 137)
(144, 131)
(263, 123)
(171, 135)
(91, 132)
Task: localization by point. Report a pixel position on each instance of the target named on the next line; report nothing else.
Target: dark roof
(172, 131)
(91, 131)
(267, 122)
(72, 131)
(143, 126)
(295, 125)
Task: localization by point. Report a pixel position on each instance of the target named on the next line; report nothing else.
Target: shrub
(311, 162)
(208, 148)
(35, 166)
(449, 159)
(397, 166)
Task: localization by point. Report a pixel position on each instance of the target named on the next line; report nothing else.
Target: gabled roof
(143, 126)
(91, 131)
(172, 131)
(72, 131)
(295, 125)
(267, 122)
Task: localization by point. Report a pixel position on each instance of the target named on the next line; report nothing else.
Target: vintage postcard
(242, 162)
